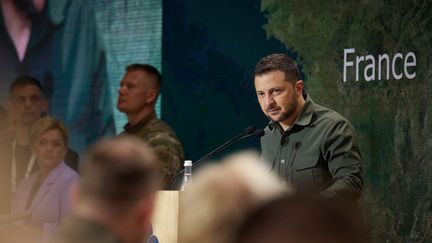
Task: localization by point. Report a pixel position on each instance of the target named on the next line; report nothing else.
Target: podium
(165, 216)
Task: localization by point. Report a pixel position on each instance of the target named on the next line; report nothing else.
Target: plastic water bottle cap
(188, 163)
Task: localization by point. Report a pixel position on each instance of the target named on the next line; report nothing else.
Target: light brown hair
(118, 172)
(46, 124)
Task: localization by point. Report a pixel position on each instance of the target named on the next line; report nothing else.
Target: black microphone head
(249, 130)
(259, 133)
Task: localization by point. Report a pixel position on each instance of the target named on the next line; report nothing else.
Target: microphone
(257, 133)
(250, 129)
(248, 132)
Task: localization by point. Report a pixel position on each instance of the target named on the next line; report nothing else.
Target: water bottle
(187, 176)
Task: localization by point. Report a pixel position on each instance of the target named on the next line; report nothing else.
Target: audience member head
(49, 142)
(303, 219)
(118, 185)
(221, 195)
(46, 124)
(139, 89)
(26, 101)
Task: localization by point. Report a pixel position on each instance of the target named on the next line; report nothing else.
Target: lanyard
(14, 167)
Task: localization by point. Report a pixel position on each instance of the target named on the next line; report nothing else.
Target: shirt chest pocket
(310, 174)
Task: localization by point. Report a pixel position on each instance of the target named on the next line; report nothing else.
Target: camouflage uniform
(163, 140)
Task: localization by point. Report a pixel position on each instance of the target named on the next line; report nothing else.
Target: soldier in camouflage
(138, 93)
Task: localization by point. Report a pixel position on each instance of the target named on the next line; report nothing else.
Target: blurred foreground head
(303, 219)
(116, 191)
(221, 195)
(118, 172)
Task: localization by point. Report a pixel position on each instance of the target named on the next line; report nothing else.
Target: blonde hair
(222, 195)
(46, 124)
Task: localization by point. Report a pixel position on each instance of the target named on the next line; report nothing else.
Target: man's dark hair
(302, 218)
(24, 81)
(149, 69)
(118, 172)
(278, 62)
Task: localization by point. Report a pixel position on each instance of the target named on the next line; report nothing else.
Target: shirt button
(284, 183)
(282, 161)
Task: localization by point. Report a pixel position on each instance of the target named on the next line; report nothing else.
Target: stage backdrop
(369, 60)
(79, 49)
(132, 33)
(208, 96)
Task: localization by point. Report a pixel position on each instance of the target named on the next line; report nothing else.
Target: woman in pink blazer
(45, 196)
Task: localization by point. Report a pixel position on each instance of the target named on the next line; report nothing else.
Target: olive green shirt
(318, 154)
(163, 140)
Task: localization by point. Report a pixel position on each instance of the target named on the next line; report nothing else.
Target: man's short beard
(291, 110)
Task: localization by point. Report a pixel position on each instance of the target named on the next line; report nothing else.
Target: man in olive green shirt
(138, 93)
(310, 147)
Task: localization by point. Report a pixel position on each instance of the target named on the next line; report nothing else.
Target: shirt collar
(306, 113)
(304, 119)
(134, 128)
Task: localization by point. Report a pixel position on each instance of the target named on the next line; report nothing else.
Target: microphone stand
(249, 132)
